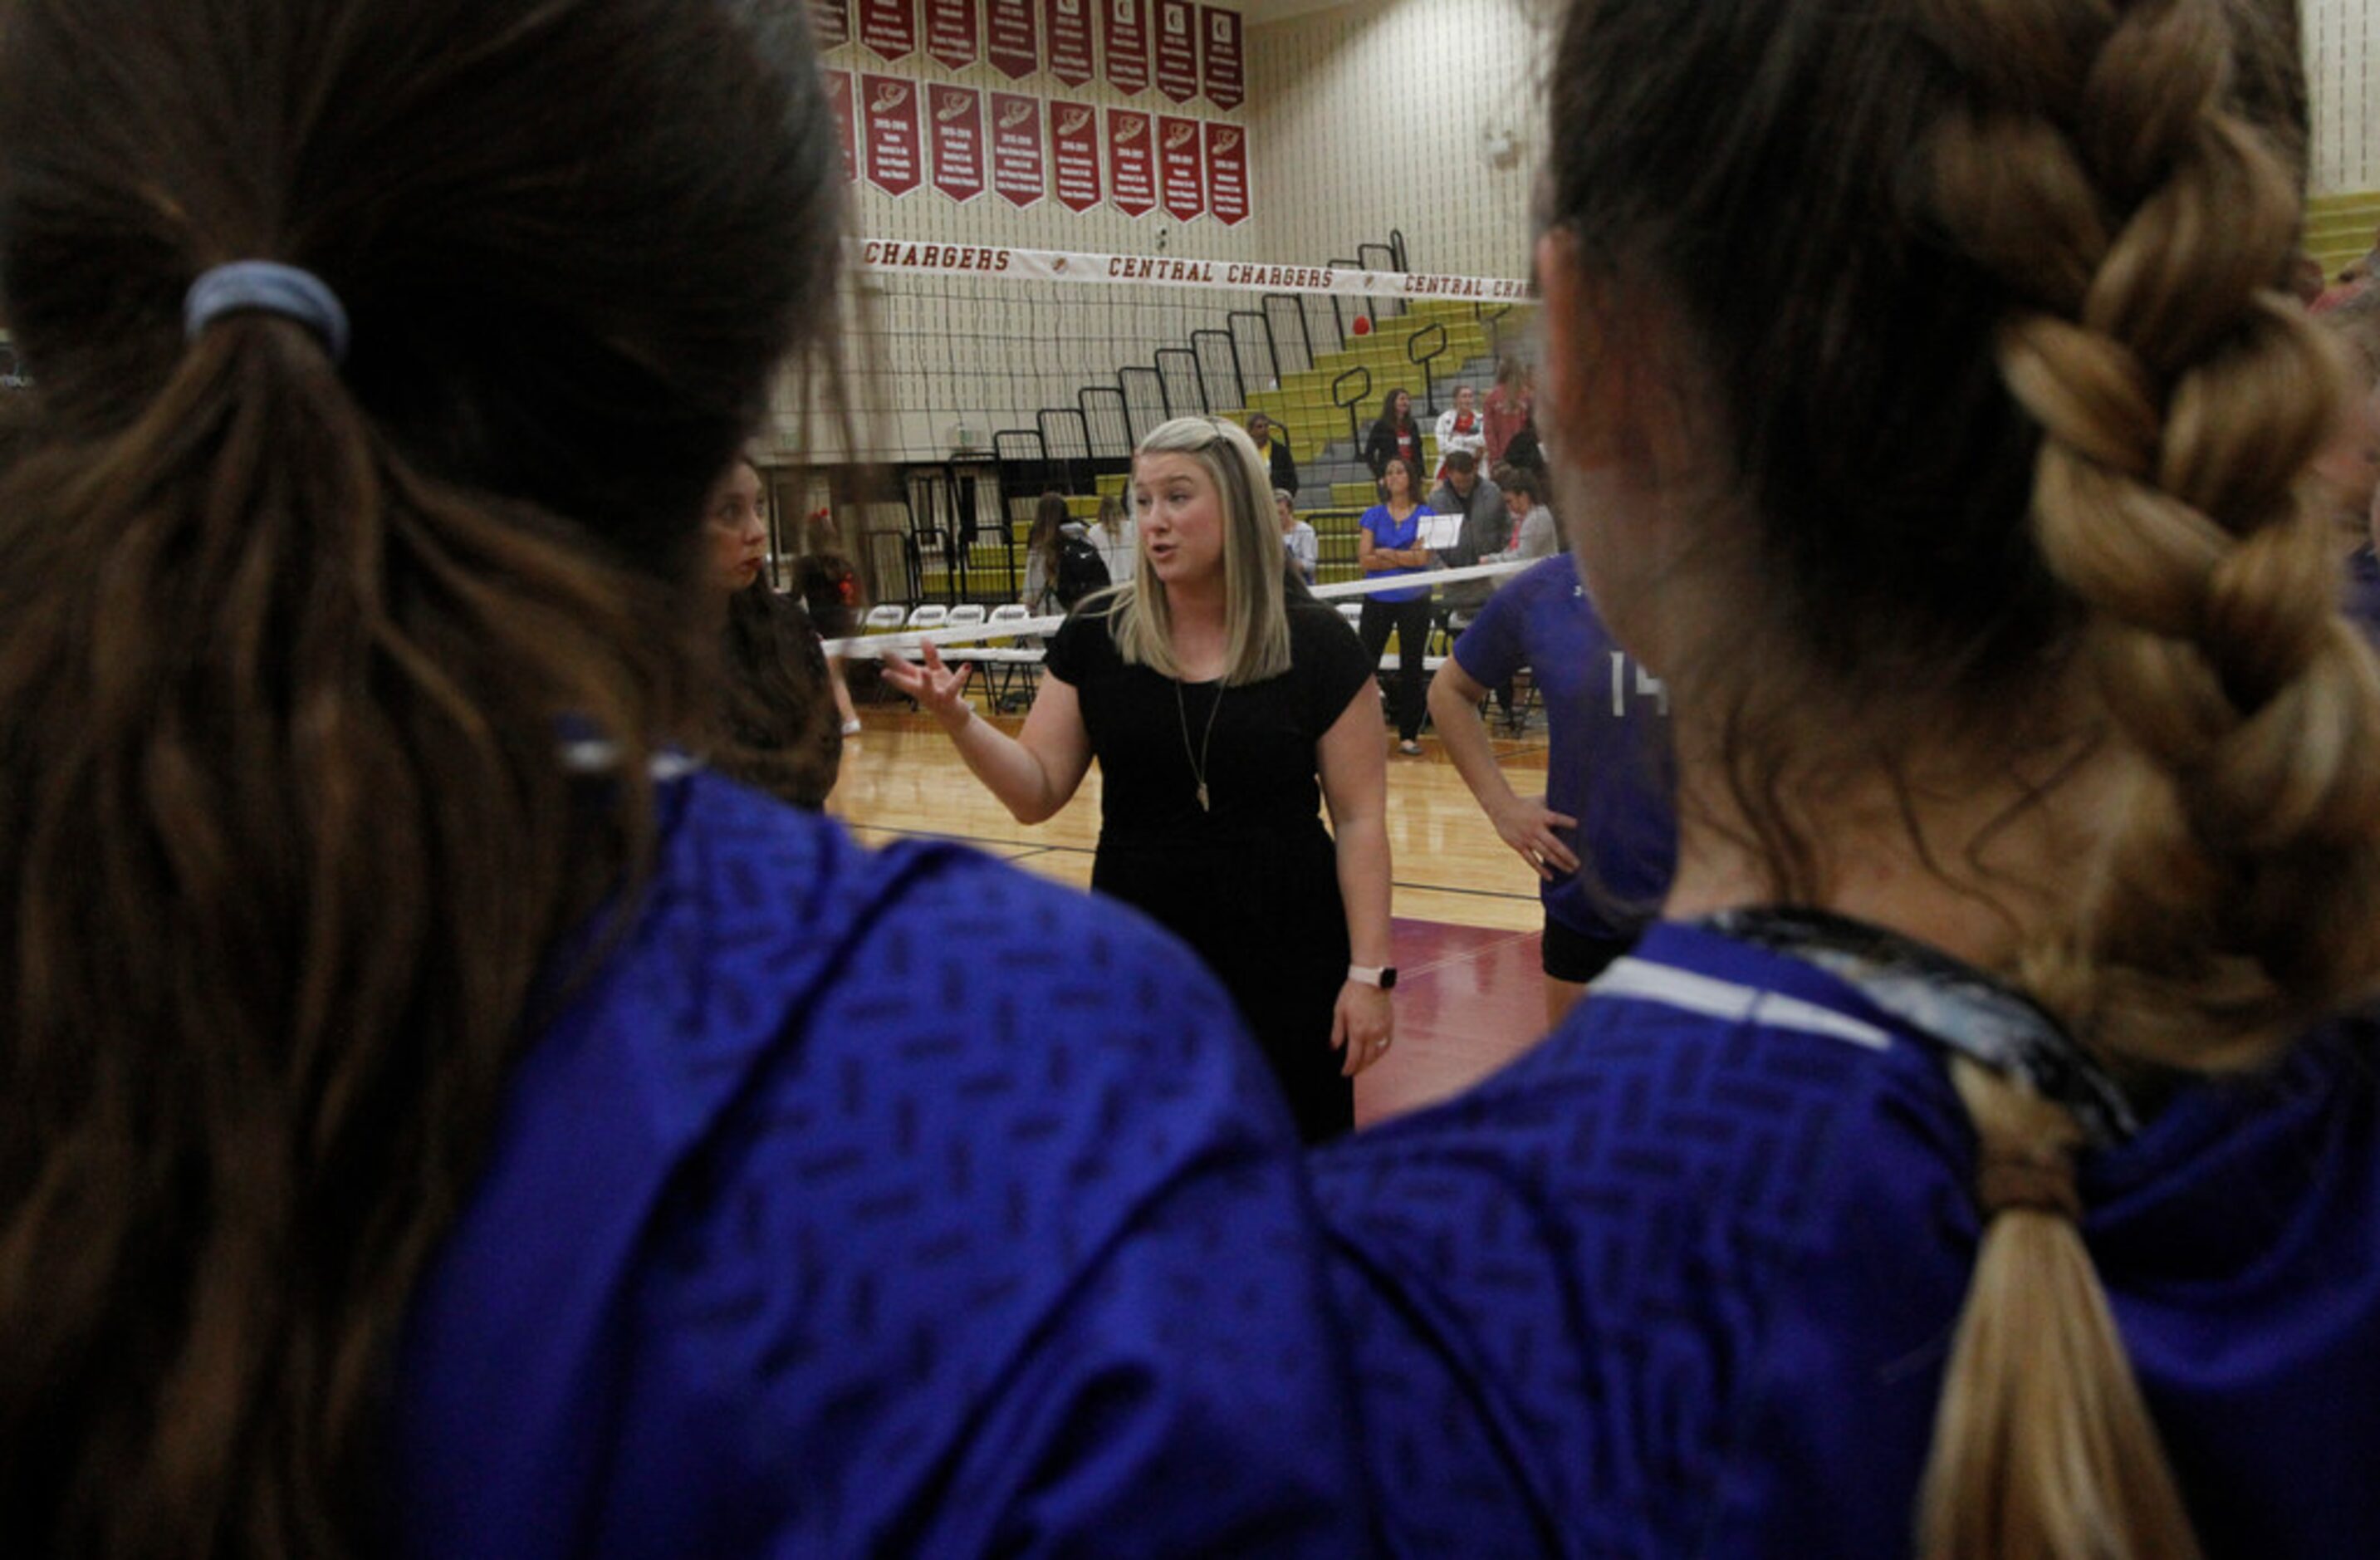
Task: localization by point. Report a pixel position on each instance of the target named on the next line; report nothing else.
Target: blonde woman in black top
(1224, 717)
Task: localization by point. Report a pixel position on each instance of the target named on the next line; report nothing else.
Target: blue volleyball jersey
(1608, 724)
(1387, 532)
(1683, 1279)
(879, 1204)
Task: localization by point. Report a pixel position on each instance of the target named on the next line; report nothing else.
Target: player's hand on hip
(1529, 826)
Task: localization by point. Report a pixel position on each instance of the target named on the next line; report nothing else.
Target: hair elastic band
(271, 288)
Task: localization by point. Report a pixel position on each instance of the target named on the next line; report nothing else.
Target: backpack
(1081, 570)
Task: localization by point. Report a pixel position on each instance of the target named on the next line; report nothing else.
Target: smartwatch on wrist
(1383, 975)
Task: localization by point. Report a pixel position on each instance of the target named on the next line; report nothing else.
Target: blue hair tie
(273, 288)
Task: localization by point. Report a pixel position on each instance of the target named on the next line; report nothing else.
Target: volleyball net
(981, 377)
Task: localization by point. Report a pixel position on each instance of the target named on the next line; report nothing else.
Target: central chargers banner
(888, 256)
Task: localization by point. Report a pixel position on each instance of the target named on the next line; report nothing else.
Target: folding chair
(1011, 682)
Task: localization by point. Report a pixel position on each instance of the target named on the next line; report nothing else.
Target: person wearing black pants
(1407, 696)
(1388, 542)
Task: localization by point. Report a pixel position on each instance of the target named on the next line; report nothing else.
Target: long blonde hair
(1256, 617)
(2036, 421)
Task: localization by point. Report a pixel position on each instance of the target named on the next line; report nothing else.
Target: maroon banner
(830, 21)
(954, 124)
(950, 35)
(1227, 173)
(838, 98)
(1075, 155)
(1070, 40)
(1181, 162)
(1227, 77)
(1017, 149)
(888, 109)
(1177, 50)
(1125, 22)
(1012, 40)
(1132, 162)
(889, 27)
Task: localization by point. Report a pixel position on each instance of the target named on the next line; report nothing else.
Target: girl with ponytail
(435, 1115)
(1970, 1162)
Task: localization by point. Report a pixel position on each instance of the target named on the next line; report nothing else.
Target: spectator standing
(1116, 536)
(1387, 544)
(1510, 402)
(1395, 436)
(1461, 427)
(1272, 448)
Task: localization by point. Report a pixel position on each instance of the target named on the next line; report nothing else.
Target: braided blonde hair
(2182, 395)
(2041, 405)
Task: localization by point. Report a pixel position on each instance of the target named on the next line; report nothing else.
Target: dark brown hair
(1388, 409)
(1051, 514)
(288, 650)
(1510, 479)
(783, 733)
(1983, 300)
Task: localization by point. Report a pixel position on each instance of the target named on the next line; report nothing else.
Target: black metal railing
(1347, 400)
(1425, 347)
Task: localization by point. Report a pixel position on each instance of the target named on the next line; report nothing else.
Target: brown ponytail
(289, 650)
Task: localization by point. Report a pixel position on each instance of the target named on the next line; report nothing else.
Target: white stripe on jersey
(1637, 979)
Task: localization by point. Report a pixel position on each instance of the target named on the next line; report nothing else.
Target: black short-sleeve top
(1147, 732)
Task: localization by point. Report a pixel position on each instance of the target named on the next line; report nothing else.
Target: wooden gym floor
(1470, 995)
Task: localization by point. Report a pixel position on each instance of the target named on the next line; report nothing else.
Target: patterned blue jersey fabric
(1608, 739)
(878, 1203)
(1682, 1280)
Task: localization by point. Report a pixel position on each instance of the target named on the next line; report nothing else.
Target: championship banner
(889, 27)
(955, 123)
(1181, 162)
(1012, 40)
(1132, 162)
(1070, 40)
(838, 100)
(1075, 155)
(1177, 50)
(902, 256)
(950, 36)
(889, 110)
(830, 21)
(1127, 25)
(1227, 173)
(1017, 149)
(1226, 71)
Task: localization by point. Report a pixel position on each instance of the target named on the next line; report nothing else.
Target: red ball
(1363, 325)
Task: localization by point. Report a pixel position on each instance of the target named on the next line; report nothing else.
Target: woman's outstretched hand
(939, 691)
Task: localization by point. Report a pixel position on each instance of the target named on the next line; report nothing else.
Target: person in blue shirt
(442, 1119)
(1971, 1161)
(1387, 544)
(1606, 768)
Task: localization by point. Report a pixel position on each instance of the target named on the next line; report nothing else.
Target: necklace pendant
(1203, 804)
